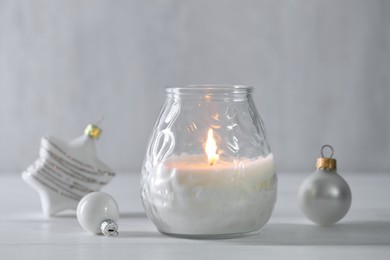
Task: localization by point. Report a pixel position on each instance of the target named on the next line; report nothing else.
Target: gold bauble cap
(93, 131)
(326, 163)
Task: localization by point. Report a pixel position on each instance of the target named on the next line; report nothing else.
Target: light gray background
(321, 72)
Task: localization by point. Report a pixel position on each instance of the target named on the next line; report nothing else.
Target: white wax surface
(189, 196)
(193, 170)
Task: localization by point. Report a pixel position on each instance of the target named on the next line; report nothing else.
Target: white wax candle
(191, 197)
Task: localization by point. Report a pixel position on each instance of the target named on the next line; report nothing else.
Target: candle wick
(212, 162)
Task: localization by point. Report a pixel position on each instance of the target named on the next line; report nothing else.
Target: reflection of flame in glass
(211, 148)
(215, 116)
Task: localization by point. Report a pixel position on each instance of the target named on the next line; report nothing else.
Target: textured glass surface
(186, 193)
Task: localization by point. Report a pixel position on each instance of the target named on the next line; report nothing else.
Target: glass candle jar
(208, 169)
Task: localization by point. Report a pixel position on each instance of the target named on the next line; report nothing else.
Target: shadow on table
(343, 234)
(132, 215)
(139, 234)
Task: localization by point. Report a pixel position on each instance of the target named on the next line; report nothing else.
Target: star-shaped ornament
(66, 171)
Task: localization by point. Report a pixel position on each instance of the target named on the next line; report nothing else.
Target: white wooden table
(363, 234)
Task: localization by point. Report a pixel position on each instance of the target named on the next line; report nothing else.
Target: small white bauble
(97, 212)
(325, 196)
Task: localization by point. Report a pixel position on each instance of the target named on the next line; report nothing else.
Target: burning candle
(210, 194)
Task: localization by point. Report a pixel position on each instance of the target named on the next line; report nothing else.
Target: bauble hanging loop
(325, 196)
(326, 163)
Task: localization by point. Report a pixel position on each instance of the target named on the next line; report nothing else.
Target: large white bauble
(324, 197)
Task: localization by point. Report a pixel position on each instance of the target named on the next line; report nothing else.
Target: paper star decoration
(66, 172)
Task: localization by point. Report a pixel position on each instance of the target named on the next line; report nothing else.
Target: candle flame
(211, 148)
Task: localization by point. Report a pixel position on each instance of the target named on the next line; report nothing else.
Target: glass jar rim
(210, 88)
